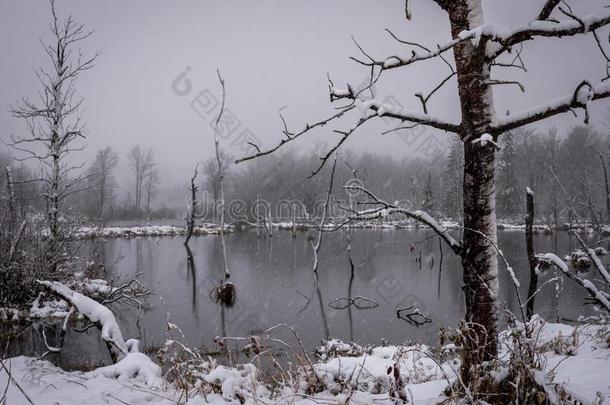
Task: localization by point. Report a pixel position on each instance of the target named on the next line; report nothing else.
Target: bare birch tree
(151, 184)
(478, 49)
(141, 163)
(604, 163)
(101, 173)
(213, 173)
(53, 121)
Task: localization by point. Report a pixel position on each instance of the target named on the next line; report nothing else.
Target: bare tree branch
(292, 136)
(547, 9)
(384, 209)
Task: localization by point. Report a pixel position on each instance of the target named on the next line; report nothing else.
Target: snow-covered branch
(383, 209)
(542, 28)
(393, 62)
(405, 115)
(581, 98)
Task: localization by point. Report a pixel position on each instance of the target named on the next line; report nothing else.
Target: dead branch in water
(531, 258)
(221, 177)
(316, 247)
(190, 222)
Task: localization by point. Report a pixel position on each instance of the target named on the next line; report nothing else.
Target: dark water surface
(275, 284)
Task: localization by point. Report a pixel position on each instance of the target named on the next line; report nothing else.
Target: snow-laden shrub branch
(133, 366)
(129, 363)
(598, 295)
(95, 312)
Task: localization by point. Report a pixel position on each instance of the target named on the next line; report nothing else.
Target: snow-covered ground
(575, 361)
(575, 365)
(138, 381)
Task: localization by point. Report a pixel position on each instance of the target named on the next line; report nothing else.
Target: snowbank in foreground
(39, 382)
(575, 365)
(576, 361)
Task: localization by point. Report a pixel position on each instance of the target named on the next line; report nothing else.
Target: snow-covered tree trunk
(606, 185)
(52, 197)
(479, 260)
(531, 258)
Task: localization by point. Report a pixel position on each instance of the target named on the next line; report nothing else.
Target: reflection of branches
(190, 268)
(440, 268)
(308, 299)
(62, 335)
(529, 243)
(350, 260)
(359, 302)
(129, 291)
(318, 293)
(413, 315)
(322, 310)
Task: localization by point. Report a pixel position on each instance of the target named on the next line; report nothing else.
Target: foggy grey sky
(271, 54)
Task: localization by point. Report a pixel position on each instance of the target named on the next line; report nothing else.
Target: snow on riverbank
(210, 228)
(575, 366)
(148, 230)
(213, 229)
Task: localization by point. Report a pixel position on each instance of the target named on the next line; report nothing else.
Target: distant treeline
(568, 175)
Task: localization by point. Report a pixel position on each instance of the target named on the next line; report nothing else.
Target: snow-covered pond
(275, 284)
